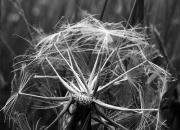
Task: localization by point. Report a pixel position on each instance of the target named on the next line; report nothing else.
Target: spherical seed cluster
(83, 98)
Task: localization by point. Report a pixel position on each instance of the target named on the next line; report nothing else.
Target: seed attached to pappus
(72, 108)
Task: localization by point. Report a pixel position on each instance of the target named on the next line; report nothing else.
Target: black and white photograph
(89, 64)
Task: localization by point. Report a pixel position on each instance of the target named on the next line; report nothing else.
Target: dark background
(163, 15)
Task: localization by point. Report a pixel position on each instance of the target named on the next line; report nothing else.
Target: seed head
(83, 98)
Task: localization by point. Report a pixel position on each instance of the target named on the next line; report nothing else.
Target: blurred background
(19, 17)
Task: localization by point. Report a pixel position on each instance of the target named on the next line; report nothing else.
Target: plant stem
(138, 13)
(81, 119)
(104, 8)
(22, 14)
